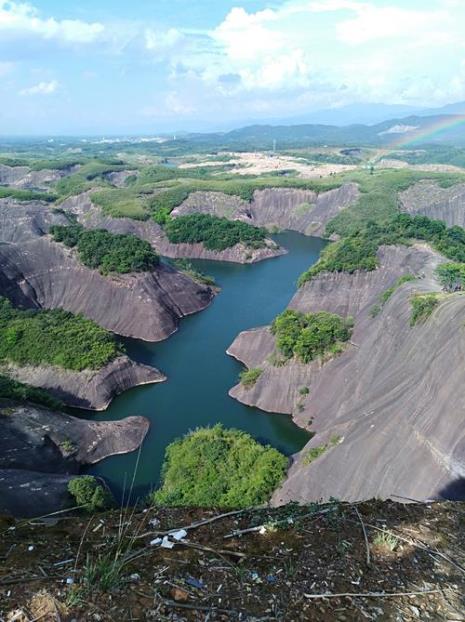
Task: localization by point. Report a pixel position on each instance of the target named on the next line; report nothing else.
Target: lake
(199, 371)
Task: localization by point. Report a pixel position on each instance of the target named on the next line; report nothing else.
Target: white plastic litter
(179, 535)
(155, 542)
(167, 543)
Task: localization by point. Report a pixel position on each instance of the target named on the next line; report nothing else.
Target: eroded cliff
(35, 271)
(304, 211)
(386, 413)
(40, 450)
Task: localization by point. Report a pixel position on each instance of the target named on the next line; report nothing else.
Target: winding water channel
(199, 371)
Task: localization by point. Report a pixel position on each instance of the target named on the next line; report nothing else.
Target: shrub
(219, 467)
(309, 335)
(109, 252)
(451, 276)
(215, 233)
(88, 492)
(14, 390)
(55, 337)
(423, 306)
(315, 452)
(249, 377)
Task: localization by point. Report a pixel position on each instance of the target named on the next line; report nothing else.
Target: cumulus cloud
(19, 18)
(42, 88)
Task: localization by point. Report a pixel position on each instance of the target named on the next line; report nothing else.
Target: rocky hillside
(386, 413)
(430, 199)
(304, 211)
(317, 563)
(26, 178)
(89, 389)
(40, 450)
(37, 272)
(92, 216)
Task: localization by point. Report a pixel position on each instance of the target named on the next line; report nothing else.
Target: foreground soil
(332, 562)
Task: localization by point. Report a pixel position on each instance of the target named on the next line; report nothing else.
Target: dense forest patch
(55, 337)
(217, 467)
(309, 335)
(215, 233)
(358, 250)
(108, 252)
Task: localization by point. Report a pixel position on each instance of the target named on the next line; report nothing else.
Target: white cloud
(19, 18)
(159, 41)
(42, 88)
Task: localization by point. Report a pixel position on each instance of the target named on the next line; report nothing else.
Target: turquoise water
(199, 371)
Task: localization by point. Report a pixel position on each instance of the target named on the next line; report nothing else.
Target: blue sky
(109, 67)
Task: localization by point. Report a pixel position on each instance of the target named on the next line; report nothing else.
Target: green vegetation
(248, 377)
(215, 233)
(122, 202)
(184, 265)
(378, 201)
(310, 335)
(107, 251)
(26, 195)
(405, 278)
(423, 306)
(384, 297)
(14, 390)
(56, 337)
(315, 452)
(358, 250)
(451, 276)
(219, 467)
(89, 492)
(434, 154)
(347, 255)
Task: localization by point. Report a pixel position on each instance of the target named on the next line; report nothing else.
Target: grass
(386, 295)
(248, 377)
(423, 306)
(26, 195)
(185, 266)
(385, 540)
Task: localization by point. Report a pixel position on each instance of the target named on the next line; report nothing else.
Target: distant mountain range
(412, 129)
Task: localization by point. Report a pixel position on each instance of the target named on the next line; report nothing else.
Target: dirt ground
(258, 163)
(333, 562)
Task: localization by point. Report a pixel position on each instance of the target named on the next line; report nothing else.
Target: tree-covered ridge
(309, 335)
(105, 251)
(217, 467)
(358, 250)
(55, 337)
(215, 233)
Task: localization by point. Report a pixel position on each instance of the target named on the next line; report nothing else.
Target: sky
(104, 67)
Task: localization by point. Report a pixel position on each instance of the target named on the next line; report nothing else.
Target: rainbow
(428, 133)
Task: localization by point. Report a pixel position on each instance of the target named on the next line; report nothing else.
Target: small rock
(179, 595)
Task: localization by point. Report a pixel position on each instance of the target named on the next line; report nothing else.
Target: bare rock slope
(387, 412)
(37, 272)
(429, 199)
(24, 177)
(92, 216)
(304, 211)
(88, 389)
(40, 450)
